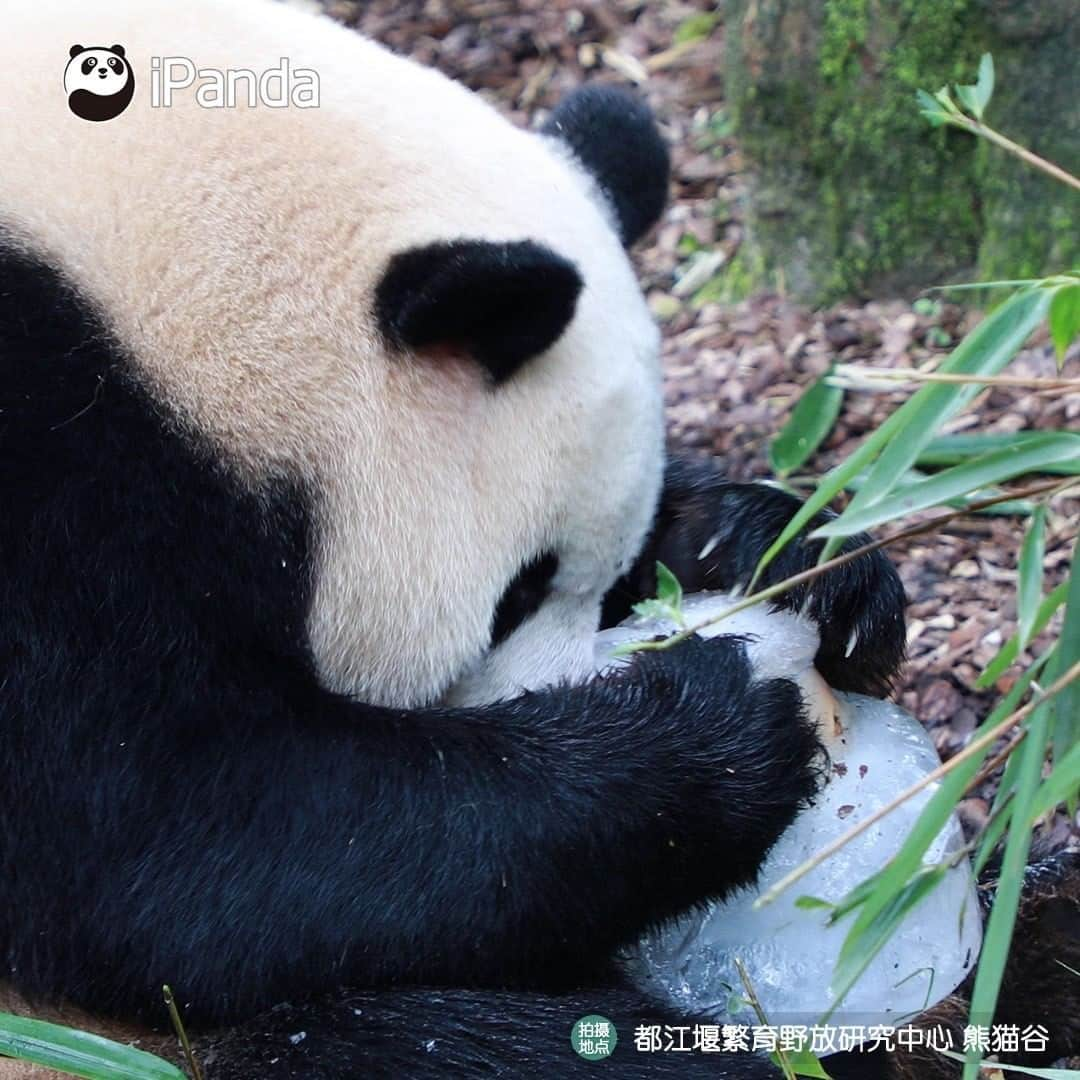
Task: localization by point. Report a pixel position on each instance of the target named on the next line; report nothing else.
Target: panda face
(99, 71)
(99, 82)
(102, 67)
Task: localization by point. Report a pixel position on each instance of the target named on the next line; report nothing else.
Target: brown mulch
(733, 370)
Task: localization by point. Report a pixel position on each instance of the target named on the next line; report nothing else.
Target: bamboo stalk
(844, 372)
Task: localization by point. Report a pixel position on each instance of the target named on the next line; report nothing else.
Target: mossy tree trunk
(851, 191)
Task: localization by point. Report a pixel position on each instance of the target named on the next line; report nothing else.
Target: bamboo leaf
(668, 589)
(999, 927)
(987, 469)
(1011, 649)
(986, 350)
(78, 1053)
(1009, 508)
(984, 85)
(1067, 704)
(967, 97)
(813, 903)
(954, 449)
(668, 601)
(930, 108)
(975, 97)
(1060, 786)
(926, 101)
(1001, 813)
(874, 894)
(810, 422)
(1030, 578)
(943, 97)
(856, 954)
(1064, 318)
(1006, 283)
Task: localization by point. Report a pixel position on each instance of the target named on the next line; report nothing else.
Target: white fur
(235, 252)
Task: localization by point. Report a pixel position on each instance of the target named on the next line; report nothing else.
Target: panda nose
(102, 72)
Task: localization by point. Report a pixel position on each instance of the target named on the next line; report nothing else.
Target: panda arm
(257, 838)
(711, 533)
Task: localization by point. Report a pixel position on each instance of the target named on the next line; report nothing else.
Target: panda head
(99, 81)
(421, 316)
(542, 315)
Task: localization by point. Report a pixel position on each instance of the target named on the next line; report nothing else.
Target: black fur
(183, 802)
(734, 524)
(504, 303)
(429, 1034)
(523, 596)
(433, 1035)
(614, 136)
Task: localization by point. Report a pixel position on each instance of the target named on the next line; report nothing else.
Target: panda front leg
(263, 842)
(314, 842)
(711, 533)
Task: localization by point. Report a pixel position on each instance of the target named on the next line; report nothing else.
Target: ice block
(790, 953)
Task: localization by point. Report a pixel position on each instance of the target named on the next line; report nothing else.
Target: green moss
(1032, 223)
(846, 26)
(897, 194)
(853, 190)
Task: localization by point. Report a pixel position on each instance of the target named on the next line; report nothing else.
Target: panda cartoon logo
(99, 81)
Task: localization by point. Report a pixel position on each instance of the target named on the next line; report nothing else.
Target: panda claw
(709, 547)
(822, 705)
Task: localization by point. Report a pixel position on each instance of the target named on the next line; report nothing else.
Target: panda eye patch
(88, 65)
(114, 63)
(523, 596)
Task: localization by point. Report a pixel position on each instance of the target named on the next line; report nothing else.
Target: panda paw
(712, 533)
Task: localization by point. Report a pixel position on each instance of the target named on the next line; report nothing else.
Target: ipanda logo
(100, 83)
(276, 87)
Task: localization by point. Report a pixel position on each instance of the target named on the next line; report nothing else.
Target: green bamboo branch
(977, 127)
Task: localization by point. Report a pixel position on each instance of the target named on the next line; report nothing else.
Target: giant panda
(328, 438)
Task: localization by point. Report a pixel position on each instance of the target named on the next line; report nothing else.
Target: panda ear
(614, 135)
(75, 50)
(503, 303)
(118, 49)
